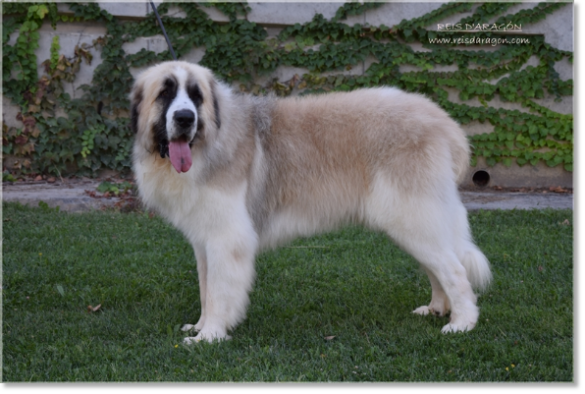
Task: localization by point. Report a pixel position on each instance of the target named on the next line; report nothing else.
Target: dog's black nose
(184, 118)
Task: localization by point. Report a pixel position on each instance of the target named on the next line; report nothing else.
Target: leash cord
(163, 30)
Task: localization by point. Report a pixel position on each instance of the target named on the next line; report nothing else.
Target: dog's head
(173, 105)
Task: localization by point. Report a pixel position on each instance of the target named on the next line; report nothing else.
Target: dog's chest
(199, 211)
(165, 190)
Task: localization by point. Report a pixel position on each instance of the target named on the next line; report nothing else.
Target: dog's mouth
(180, 155)
(179, 152)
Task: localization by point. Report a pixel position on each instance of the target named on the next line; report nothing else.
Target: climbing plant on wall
(87, 134)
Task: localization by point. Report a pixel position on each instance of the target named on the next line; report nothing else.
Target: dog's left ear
(215, 104)
(135, 100)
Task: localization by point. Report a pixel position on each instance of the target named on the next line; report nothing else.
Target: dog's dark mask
(163, 148)
(165, 98)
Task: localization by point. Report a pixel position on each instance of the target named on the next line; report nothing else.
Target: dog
(237, 173)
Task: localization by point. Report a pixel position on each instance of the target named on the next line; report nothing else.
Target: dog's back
(325, 153)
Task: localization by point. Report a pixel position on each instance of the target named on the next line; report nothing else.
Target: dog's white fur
(276, 169)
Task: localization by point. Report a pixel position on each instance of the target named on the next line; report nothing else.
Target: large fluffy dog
(237, 173)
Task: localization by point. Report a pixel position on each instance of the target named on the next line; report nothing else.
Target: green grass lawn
(353, 285)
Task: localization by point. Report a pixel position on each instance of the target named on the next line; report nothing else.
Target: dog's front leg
(229, 278)
(201, 258)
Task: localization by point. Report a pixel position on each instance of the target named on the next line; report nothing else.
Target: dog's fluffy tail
(477, 267)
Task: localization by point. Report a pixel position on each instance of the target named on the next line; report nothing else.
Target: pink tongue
(180, 155)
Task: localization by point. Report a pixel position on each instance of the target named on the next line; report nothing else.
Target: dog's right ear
(135, 101)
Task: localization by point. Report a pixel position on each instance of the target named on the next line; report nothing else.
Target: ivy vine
(61, 134)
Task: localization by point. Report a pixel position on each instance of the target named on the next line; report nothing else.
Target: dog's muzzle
(184, 120)
(180, 143)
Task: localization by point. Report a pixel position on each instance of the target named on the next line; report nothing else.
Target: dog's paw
(454, 327)
(189, 327)
(190, 340)
(197, 327)
(205, 338)
(422, 310)
(428, 310)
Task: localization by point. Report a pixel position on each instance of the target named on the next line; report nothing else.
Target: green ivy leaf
(42, 11)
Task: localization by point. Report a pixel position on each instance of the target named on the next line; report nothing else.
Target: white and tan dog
(237, 173)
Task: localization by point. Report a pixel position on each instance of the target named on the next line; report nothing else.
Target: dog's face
(173, 105)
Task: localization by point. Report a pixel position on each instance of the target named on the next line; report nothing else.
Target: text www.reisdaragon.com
(493, 41)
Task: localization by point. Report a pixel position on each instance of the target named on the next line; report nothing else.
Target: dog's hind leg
(475, 263)
(439, 305)
(424, 226)
(453, 262)
(450, 275)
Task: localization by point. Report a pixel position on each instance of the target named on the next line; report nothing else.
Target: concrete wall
(557, 29)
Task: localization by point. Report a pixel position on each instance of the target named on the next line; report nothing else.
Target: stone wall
(557, 29)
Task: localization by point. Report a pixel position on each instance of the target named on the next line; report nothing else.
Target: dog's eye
(164, 93)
